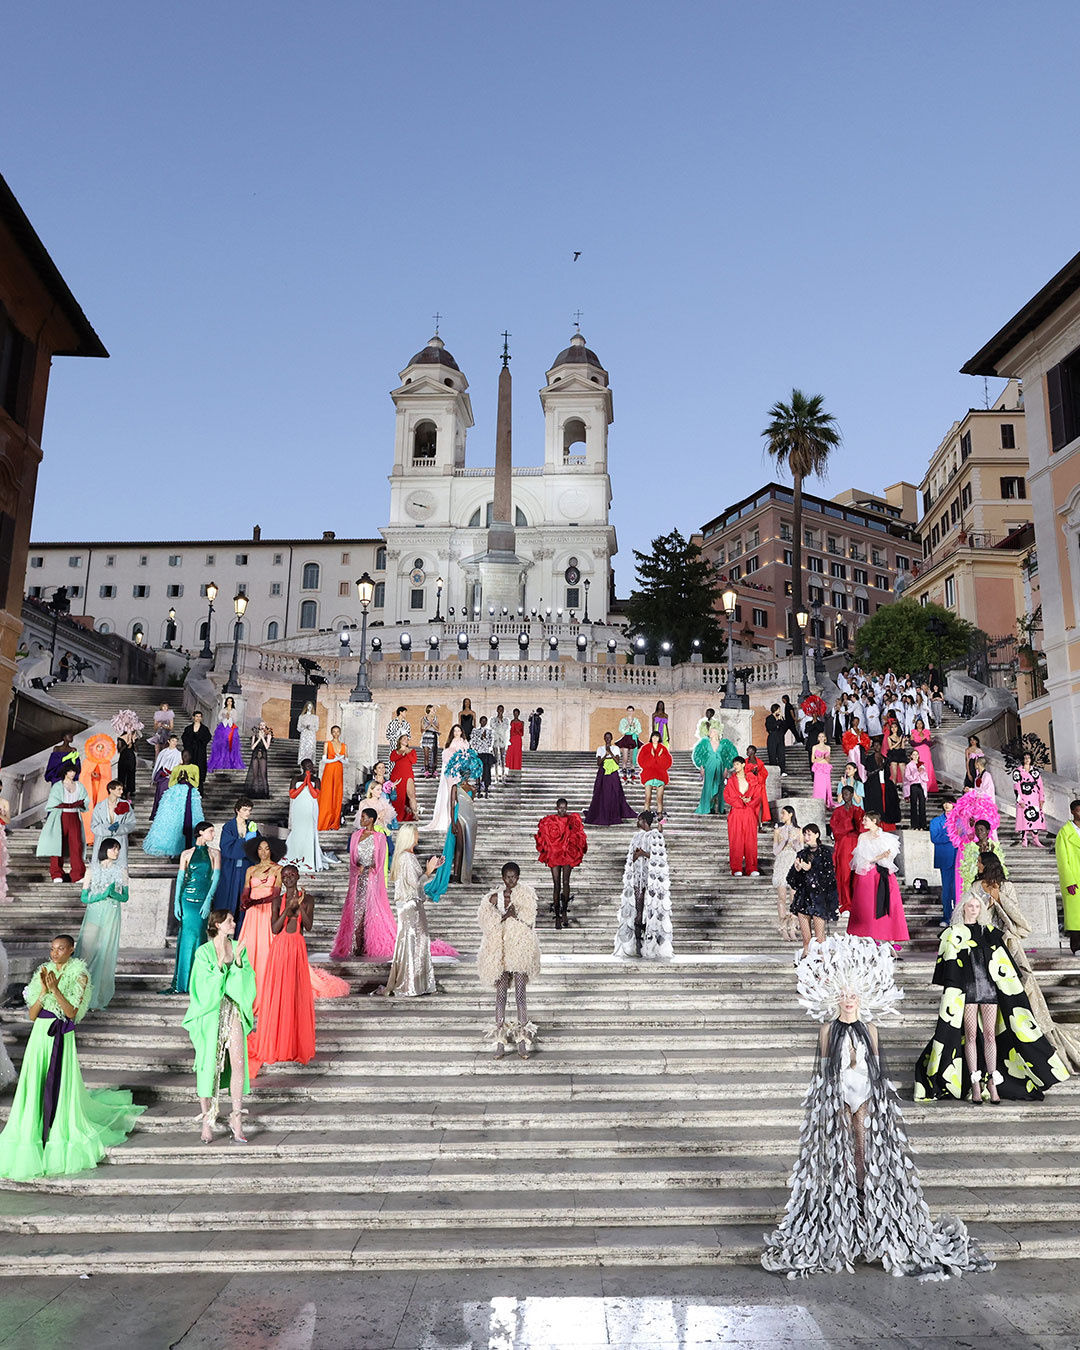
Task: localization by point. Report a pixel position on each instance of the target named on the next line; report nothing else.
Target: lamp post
(232, 684)
(211, 595)
(729, 599)
(59, 604)
(586, 600)
(438, 600)
(802, 619)
(365, 591)
(819, 641)
(170, 628)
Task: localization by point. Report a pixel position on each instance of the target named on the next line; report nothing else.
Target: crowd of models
(242, 913)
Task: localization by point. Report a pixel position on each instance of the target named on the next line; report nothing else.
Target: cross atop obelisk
(501, 532)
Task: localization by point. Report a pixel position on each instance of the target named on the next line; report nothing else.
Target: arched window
(309, 614)
(104, 627)
(573, 434)
(380, 558)
(474, 520)
(204, 629)
(310, 580)
(272, 630)
(379, 601)
(136, 629)
(425, 442)
(240, 630)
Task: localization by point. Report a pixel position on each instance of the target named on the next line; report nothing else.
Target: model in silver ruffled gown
(411, 971)
(855, 1191)
(644, 919)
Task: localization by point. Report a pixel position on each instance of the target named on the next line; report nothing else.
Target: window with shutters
(17, 358)
(107, 592)
(174, 592)
(965, 496)
(761, 618)
(816, 564)
(1013, 489)
(379, 602)
(309, 613)
(1008, 436)
(1063, 399)
(950, 591)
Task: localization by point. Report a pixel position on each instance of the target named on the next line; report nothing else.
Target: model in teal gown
(104, 892)
(193, 899)
(57, 1128)
(714, 755)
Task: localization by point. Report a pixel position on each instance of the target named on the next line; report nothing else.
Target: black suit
(195, 742)
(775, 730)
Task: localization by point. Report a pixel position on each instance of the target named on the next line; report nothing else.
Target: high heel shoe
(209, 1120)
(236, 1124)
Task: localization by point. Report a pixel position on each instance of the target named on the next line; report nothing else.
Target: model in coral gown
(741, 795)
(259, 901)
(846, 824)
(517, 732)
(285, 1029)
(402, 775)
(332, 781)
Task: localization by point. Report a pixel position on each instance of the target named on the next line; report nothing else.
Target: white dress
(440, 820)
(650, 873)
(308, 726)
(302, 845)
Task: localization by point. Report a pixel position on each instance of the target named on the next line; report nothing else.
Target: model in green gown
(219, 1019)
(714, 755)
(196, 884)
(104, 891)
(69, 1128)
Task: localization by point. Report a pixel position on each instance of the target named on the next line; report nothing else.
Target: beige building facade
(1040, 346)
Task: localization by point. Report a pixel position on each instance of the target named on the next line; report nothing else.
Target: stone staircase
(656, 1123)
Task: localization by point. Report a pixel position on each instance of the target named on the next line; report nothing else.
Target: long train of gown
(172, 828)
(225, 752)
(285, 1029)
(652, 873)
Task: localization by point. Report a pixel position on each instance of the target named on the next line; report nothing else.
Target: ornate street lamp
(438, 600)
(819, 641)
(802, 619)
(586, 619)
(240, 604)
(365, 593)
(729, 600)
(211, 595)
(170, 628)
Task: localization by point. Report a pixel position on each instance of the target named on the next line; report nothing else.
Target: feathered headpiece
(972, 806)
(464, 764)
(856, 965)
(127, 719)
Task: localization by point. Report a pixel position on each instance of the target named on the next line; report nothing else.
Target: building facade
(853, 557)
(1040, 346)
(976, 541)
(39, 319)
(440, 508)
(293, 586)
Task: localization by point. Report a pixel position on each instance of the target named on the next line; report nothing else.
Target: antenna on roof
(986, 393)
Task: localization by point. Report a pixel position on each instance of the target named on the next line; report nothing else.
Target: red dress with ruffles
(561, 840)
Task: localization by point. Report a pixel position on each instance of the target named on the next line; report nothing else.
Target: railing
(973, 539)
(521, 471)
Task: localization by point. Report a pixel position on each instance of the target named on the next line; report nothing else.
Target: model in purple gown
(609, 805)
(225, 752)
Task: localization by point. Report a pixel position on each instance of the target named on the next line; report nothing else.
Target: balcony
(976, 540)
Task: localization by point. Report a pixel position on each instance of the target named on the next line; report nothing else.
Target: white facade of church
(439, 510)
(440, 506)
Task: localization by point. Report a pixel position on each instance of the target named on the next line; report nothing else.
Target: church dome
(435, 354)
(577, 354)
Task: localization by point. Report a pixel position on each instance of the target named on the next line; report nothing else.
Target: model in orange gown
(285, 1029)
(335, 758)
(259, 899)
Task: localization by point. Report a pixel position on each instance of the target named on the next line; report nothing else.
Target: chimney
(256, 533)
(328, 534)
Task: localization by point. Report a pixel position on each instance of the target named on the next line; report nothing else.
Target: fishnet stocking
(987, 1014)
(858, 1129)
(502, 988)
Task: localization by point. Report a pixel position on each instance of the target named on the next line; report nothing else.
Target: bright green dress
(195, 887)
(104, 892)
(218, 995)
(85, 1123)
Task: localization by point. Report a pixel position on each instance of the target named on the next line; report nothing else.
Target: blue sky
(260, 206)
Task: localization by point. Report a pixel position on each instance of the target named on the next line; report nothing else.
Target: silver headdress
(856, 965)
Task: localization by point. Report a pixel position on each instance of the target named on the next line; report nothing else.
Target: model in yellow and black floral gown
(986, 1038)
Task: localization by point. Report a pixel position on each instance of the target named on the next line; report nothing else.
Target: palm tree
(800, 438)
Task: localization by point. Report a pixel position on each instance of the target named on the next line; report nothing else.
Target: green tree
(676, 599)
(900, 636)
(800, 438)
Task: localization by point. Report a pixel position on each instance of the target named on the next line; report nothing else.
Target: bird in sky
(577, 255)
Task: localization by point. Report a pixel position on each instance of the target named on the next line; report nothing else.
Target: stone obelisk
(500, 567)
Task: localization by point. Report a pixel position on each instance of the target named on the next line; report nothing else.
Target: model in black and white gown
(644, 921)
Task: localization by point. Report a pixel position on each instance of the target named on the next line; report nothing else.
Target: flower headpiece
(972, 806)
(855, 965)
(127, 719)
(813, 706)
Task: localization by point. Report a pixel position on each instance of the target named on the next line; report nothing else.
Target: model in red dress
(285, 1031)
(561, 843)
(513, 750)
(654, 764)
(755, 769)
(741, 795)
(846, 823)
(403, 777)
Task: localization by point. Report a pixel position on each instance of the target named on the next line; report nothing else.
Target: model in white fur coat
(508, 948)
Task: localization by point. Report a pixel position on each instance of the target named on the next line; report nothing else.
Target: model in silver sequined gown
(411, 971)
